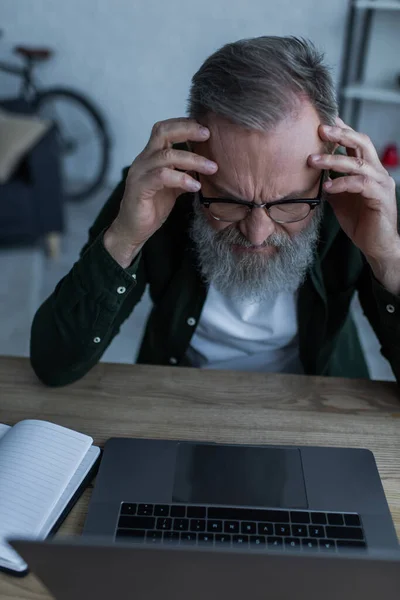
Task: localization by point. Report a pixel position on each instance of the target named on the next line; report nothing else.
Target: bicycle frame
(28, 90)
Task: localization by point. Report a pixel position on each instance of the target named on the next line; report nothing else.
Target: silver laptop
(301, 499)
(75, 570)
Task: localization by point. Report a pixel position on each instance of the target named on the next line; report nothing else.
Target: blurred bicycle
(81, 130)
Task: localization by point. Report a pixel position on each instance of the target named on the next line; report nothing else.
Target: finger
(173, 131)
(359, 143)
(341, 123)
(183, 160)
(164, 177)
(341, 163)
(358, 184)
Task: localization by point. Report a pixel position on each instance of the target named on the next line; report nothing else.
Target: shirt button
(121, 290)
(390, 308)
(97, 340)
(173, 361)
(191, 321)
(134, 276)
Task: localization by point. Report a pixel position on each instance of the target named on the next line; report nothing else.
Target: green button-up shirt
(74, 326)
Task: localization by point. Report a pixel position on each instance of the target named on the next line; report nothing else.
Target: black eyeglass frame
(312, 202)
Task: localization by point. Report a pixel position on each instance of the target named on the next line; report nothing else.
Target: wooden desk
(161, 402)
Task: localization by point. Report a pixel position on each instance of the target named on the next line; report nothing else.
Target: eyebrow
(293, 195)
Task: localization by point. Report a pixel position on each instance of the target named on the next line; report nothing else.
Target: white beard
(253, 276)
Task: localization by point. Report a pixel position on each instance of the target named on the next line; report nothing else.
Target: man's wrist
(387, 271)
(120, 248)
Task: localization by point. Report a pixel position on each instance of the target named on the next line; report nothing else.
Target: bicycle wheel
(83, 139)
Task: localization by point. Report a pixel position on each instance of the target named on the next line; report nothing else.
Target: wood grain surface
(181, 403)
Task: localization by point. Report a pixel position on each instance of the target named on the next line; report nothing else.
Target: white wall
(382, 121)
(136, 58)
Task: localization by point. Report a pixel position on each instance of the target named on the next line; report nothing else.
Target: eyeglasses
(281, 211)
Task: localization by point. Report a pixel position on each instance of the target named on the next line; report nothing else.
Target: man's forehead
(293, 139)
(264, 165)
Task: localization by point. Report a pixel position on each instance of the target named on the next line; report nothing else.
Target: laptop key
(145, 509)
(181, 524)
(345, 533)
(300, 517)
(352, 520)
(309, 544)
(214, 526)
(230, 514)
(188, 538)
(346, 545)
(198, 525)
(223, 539)
(318, 518)
(206, 538)
(154, 537)
(231, 527)
(171, 537)
(249, 528)
(275, 542)
(327, 545)
(240, 540)
(335, 519)
(128, 509)
(258, 541)
(292, 543)
(265, 529)
(136, 522)
(248, 514)
(164, 524)
(178, 511)
(277, 516)
(161, 510)
(196, 512)
(316, 531)
(282, 529)
(299, 530)
(131, 534)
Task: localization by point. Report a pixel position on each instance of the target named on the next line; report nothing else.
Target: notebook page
(37, 461)
(3, 429)
(71, 488)
(6, 563)
(10, 559)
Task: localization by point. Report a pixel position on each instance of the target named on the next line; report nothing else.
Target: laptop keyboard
(243, 527)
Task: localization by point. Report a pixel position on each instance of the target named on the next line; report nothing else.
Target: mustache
(231, 236)
(252, 276)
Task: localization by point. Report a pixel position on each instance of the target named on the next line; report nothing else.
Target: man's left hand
(364, 200)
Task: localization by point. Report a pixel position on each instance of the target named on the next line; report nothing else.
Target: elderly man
(251, 230)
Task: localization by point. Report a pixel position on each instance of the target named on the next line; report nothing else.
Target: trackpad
(249, 476)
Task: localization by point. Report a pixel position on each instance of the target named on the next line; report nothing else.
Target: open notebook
(43, 467)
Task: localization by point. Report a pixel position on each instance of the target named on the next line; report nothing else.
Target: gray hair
(258, 82)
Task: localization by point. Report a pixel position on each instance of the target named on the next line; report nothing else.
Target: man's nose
(257, 227)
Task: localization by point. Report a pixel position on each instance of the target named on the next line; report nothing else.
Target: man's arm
(75, 325)
(72, 329)
(382, 309)
(365, 202)
(381, 306)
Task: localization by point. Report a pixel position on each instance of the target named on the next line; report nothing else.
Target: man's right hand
(153, 185)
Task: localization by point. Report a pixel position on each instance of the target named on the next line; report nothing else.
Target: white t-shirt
(239, 335)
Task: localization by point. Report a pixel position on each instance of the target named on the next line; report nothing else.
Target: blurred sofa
(31, 202)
